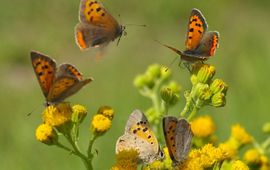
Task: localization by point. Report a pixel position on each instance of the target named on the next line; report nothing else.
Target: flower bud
(266, 127)
(79, 113)
(46, 134)
(203, 91)
(218, 85)
(205, 73)
(218, 100)
(106, 111)
(165, 73)
(169, 96)
(154, 71)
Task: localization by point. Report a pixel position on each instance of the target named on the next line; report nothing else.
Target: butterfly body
(178, 137)
(97, 27)
(200, 44)
(139, 136)
(56, 84)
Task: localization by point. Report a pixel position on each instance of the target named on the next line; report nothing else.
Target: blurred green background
(243, 61)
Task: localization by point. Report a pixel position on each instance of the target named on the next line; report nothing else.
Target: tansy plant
(62, 122)
(206, 152)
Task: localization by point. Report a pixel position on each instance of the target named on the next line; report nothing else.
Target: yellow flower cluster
(203, 158)
(79, 113)
(46, 134)
(126, 160)
(57, 115)
(239, 165)
(166, 163)
(203, 126)
(254, 158)
(102, 121)
(240, 134)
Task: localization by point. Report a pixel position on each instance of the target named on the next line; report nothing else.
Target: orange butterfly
(200, 45)
(97, 27)
(56, 84)
(178, 137)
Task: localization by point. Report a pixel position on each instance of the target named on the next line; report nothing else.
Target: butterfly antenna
(139, 25)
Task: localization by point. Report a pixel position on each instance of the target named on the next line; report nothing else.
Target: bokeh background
(243, 61)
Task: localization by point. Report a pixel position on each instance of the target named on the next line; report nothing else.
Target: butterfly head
(121, 31)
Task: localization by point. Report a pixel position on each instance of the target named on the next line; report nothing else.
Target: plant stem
(89, 151)
(77, 152)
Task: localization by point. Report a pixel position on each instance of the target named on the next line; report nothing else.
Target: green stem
(194, 110)
(89, 151)
(60, 145)
(77, 152)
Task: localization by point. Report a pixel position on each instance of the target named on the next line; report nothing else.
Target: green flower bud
(165, 73)
(143, 80)
(106, 111)
(204, 92)
(152, 116)
(174, 87)
(194, 79)
(218, 100)
(153, 71)
(266, 127)
(206, 73)
(169, 96)
(218, 85)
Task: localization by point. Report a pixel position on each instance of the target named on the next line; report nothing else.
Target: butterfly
(200, 43)
(178, 137)
(56, 84)
(139, 136)
(97, 27)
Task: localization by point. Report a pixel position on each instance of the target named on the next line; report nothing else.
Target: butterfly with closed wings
(200, 43)
(56, 84)
(139, 136)
(97, 27)
(178, 137)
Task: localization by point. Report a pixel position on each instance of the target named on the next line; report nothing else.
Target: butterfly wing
(97, 26)
(196, 28)
(143, 138)
(45, 69)
(183, 139)
(169, 129)
(67, 82)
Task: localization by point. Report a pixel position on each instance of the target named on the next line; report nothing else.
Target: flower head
(239, 165)
(59, 116)
(126, 159)
(218, 85)
(106, 111)
(46, 134)
(252, 156)
(240, 134)
(202, 73)
(203, 126)
(79, 113)
(101, 124)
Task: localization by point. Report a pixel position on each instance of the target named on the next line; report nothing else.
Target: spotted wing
(169, 130)
(183, 139)
(97, 26)
(45, 69)
(67, 82)
(196, 28)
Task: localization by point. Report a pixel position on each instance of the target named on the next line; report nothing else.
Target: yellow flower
(166, 163)
(252, 156)
(240, 134)
(202, 73)
(264, 160)
(239, 165)
(202, 158)
(79, 113)
(46, 134)
(101, 123)
(203, 126)
(57, 115)
(126, 160)
(106, 111)
(229, 149)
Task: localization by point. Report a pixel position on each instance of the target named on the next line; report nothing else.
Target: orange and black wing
(197, 26)
(45, 69)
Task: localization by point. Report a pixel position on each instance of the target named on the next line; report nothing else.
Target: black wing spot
(195, 19)
(171, 138)
(40, 73)
(149, 137)
(134, 131)
(103, 14)
(145, 129)
(91, 3)
(91, 18)
(138, 128)
(49, 72)
(152, 143)
(141, 122)
(38, 63)
(200, 31)
(189, 37)
(198, 25)
(98, 9)
(191, 29)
